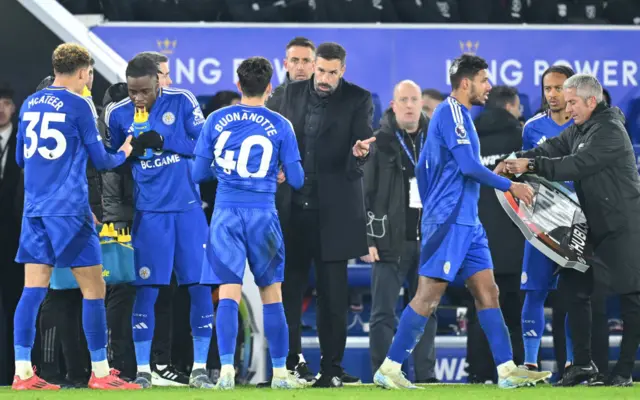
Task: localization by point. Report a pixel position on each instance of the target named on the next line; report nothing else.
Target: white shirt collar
(5, 134)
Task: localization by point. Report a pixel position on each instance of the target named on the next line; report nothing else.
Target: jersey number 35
(45, 133)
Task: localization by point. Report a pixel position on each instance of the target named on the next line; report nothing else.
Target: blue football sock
(24, 321)
(94, 323)
(277, 332)
(533, 324)
(201, 322)
(144, 322)
(410, 330)
(567, 334)
(492, 323)
(227, 330)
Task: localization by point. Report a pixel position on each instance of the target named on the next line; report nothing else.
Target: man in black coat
(500, 134)
(11, 191)
(332, 120)
(597, 155)
(300, 63)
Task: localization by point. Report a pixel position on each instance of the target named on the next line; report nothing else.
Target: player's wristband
(532, 165)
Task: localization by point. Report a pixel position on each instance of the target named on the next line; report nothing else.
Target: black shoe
(302, 371)
(68, 383)
(576, 374)
(170, 376)
(618, 381)
(264, 385)
(143, 379)
(349, 379)
(598, 380)
(328, 381)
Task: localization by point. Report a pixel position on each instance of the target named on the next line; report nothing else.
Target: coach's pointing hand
(361, 148)
(522, 191)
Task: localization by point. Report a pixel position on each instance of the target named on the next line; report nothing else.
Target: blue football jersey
(55, 125)
(440, 181)
(163, 183)
(248, 144)
(539, 128)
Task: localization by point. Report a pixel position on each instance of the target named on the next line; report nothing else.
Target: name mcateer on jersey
(53, 101)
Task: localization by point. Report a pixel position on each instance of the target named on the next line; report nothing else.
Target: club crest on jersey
(447, 267)
(524, 278)
(460, 131)
(144, 272)
(168, 118)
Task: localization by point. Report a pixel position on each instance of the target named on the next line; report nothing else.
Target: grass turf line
(365, 392)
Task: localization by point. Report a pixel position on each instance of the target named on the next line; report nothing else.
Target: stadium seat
(427, 11)
(623, 12)
(492, 11)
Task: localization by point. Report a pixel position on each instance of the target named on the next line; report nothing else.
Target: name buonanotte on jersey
(160, 162)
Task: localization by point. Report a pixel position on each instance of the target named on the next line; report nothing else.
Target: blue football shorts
(164, 241)
(537, 270)
(61, 242)
(238, 235)
(454, 251)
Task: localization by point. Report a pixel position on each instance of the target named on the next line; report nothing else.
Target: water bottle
(140, 125)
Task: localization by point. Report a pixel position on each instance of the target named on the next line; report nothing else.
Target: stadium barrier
(204, 56)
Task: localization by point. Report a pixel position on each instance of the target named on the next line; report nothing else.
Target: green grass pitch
(365, 392)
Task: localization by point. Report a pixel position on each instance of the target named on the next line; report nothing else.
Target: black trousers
(302, 247)
(580, 289)
(63, 347)
(163, 332)
(11, 284)
(172, 344)
(479, 357)
(119, 306)
(630, 310)
(599, 328)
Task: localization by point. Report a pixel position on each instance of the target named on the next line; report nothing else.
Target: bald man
(394, 212)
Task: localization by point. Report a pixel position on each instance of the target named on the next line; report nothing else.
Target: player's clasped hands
(361, 148)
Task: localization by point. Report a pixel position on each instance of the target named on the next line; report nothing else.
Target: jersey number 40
(228, 162)
(45, 133)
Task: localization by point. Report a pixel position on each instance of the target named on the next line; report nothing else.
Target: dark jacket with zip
(599, 158)
(385, 192)
(500, 134)
(117, 184)
(273, 102)
(341, 212)
(284, 191)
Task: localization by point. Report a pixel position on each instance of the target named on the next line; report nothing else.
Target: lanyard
(421, 137)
